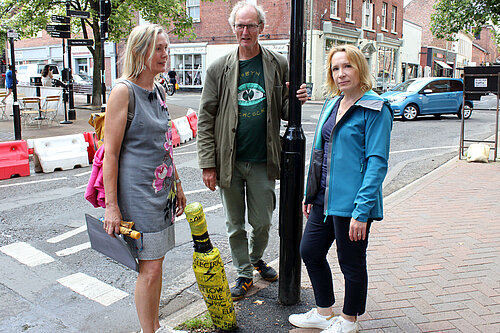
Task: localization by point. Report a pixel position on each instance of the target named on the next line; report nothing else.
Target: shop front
(188, 61)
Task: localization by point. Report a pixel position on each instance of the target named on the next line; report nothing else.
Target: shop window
(189, 69)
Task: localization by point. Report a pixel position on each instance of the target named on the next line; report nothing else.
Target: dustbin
(36, 81)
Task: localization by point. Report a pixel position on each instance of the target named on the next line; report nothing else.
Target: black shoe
(241, 288)
(267, 272)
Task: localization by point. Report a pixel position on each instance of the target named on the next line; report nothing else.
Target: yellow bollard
(209, 271)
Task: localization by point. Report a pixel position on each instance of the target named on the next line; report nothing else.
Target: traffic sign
(60, 19)
(80, 42)
(12, 34)
(60, 34)
(57, 27)
(77, 13)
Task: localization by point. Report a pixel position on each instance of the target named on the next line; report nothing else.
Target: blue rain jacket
(357, 160)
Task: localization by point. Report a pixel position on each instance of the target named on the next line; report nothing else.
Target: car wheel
(410, 112)
(467, 111)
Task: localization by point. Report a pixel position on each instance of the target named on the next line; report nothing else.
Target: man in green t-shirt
(244, 98)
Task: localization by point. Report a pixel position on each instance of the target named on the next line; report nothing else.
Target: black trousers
(318, 237)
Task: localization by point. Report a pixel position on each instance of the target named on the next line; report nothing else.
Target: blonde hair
(357, 60)
(142, 39)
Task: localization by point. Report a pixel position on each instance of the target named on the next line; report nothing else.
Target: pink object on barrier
(14, 159)
(193, 122)
(176, 139)
(89, 138)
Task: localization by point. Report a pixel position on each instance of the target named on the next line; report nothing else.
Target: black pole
(292, 171)
(65, 91)
(71, 111)
(15, 104)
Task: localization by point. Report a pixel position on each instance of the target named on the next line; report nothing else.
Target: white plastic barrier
(60, 152)
(183, 129)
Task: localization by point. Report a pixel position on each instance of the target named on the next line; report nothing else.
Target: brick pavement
(434, 262)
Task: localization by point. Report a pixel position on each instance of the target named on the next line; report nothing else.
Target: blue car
(428, 96)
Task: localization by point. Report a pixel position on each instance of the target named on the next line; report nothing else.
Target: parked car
(82, 79)
(27, 71)
(428, 96)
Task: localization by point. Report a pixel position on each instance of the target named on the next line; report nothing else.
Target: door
(456, 93)
(435, 97)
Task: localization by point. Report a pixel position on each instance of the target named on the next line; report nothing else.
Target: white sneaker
(311, 319)
(341, 325)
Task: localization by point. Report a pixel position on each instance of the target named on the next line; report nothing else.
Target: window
(394, 14)
(440, 86)
(193, 9)
(456, 85)
(384, 15)
(188, 68)
(333, 8)
(348, 10)
(367, 15)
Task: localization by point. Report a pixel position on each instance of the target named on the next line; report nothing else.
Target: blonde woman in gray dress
(140, 179)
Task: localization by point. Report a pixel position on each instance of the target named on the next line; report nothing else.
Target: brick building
(485, 48)
(376, 27)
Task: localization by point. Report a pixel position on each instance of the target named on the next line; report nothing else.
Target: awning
(442, 64)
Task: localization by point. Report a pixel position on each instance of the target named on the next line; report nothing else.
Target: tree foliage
(28, 17)
(452, 16)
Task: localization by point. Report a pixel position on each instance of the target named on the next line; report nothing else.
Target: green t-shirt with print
(252, 116)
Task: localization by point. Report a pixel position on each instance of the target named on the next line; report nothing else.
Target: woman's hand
(112, 219)
(181, 200)
(357, 230)
(306, 209)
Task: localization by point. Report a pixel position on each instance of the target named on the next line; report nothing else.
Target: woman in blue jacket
(344, 188)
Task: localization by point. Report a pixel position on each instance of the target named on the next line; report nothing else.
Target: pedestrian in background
(244, 98)
(9, 83)
(47, 76)
(140, 179)
(344, 189)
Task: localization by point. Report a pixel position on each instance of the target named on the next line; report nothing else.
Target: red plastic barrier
(14, 159)
(89, 138)
(193, 122)
(176, 139)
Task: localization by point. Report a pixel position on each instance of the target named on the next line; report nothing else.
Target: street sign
(77, 13)
(80, 42)
(12, 34)
(60, 19)
(57, 27)
(60, 34)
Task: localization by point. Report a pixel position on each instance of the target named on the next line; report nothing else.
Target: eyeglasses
(250, 27)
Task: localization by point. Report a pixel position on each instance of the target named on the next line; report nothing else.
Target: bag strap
(131, 104)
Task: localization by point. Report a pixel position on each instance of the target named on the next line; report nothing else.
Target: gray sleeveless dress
(146, 187)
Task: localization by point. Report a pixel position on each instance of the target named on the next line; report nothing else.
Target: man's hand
(209, 178)
(301, 93)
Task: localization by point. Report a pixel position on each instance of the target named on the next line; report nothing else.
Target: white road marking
(420, 149)
(83, 173)
(185, 145)
(185, 153)
(67, 235)
(26, 254)
(205, 210)
(34, 182)
(92, 288)
(73, 249)
(197, 191)
(81, 186)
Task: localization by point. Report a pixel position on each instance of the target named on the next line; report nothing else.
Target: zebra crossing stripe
(73, 249)
(92, 288)
(26, 254)
(67, 235)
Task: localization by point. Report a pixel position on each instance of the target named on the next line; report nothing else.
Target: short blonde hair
(357, 60)
(142, 39)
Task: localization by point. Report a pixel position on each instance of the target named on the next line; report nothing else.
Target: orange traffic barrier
(193, 121)
(176, 139)
(91, 149)
(14, 159)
